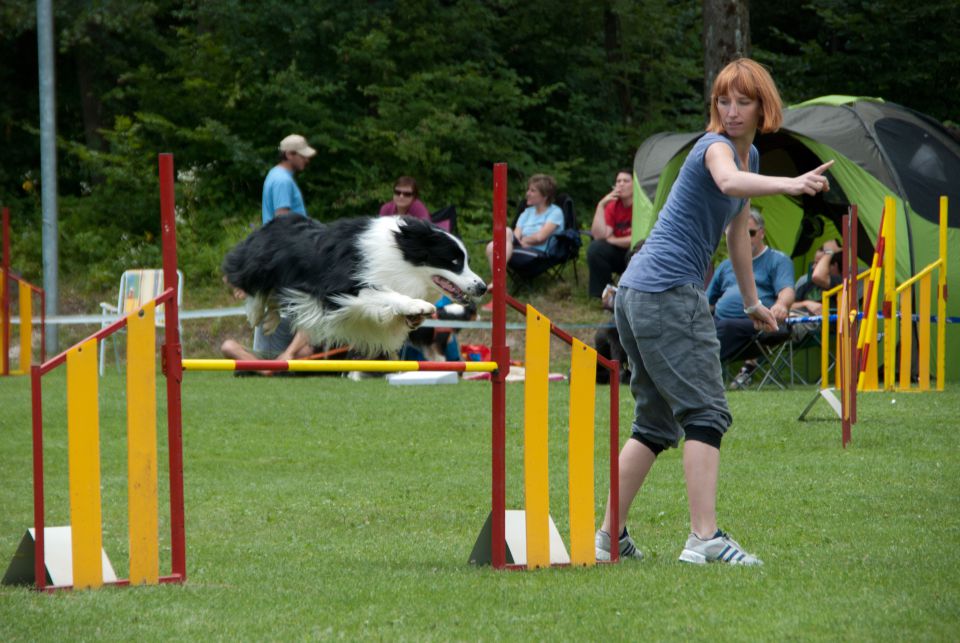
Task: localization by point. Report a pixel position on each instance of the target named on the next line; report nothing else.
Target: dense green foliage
(320, 508)
(435, 89)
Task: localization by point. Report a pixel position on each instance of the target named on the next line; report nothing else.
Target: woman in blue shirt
(664, 320)
(541, 220)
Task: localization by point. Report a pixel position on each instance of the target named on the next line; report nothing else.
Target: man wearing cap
(281, 196)
(280, 192)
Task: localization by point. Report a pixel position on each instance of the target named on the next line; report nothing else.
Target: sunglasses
(753, 233)
(403, 192)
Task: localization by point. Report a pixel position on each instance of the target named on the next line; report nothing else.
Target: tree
(726, 36)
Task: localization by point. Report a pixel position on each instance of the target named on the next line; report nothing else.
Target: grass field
(323, 508)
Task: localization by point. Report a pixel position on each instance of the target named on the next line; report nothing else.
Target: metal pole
(48, 164)
(173, 368)
(501, 355)
(5, 289)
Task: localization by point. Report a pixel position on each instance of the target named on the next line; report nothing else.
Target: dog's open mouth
(451, 289)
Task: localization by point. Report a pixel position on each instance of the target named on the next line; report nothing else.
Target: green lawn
(325, 508)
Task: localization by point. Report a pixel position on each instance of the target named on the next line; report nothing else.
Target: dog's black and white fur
(361, 282)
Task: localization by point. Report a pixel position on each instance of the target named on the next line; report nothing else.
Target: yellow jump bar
(335, 365)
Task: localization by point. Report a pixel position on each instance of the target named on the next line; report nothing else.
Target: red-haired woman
(664, 320)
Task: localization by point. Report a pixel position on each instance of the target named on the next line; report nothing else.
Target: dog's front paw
(414, 321)
(416, 311)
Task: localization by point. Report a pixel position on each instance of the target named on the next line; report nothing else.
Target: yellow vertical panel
(535, 407)
(83, 457)
(870, 381)
(583, 383)
(838, 348)
(923, 334)
(942, 297)
(825, 343)
(26, 328)
(142, 447)
(889, 291)
(906, 338)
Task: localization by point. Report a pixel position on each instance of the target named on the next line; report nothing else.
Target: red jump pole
(39, 555)
(5, 303)
(172, 367)
(498, 380)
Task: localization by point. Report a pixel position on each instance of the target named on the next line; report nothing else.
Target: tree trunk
(726, 36)
(90, 104)
(613, 43)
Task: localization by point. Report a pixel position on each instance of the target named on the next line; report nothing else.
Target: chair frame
(129, 298)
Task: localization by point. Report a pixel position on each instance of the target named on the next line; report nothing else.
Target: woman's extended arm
(738, 183)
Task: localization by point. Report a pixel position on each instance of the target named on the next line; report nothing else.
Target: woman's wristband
(749, 310)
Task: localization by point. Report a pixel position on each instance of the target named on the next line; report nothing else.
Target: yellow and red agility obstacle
(83, 424)
(25, 292)
(84, 440)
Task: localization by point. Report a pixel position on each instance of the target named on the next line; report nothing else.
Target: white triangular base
(515, 533)
(58, 559)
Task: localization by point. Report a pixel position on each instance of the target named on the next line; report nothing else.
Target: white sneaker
(719, 549)
(628, 548)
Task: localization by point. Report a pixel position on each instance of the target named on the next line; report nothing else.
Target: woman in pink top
(406, 201)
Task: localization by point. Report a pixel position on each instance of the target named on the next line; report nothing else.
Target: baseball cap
(298, 144)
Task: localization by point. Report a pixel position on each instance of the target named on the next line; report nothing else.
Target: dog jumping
(362, 282)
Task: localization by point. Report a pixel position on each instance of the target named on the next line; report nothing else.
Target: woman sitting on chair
(541, 220)
(406, 200)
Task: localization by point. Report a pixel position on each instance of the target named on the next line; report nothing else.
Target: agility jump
(143, 501)
(883, 266)
(25, 291)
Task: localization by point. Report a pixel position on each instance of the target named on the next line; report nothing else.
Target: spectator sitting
(538, 223)
(611, 231)
(824, 274)
(607, 339)
(406, 200)
(773, 273)
(281, 197)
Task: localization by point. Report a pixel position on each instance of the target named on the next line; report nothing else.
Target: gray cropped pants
(676, 378)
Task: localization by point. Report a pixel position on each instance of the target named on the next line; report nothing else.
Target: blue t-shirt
(688, 229)
(772, 270)
(530, 222)
(280, 191)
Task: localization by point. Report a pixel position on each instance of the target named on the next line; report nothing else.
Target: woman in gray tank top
(664, 320)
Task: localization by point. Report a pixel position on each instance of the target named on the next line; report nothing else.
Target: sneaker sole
(604, 556)
(690, 556)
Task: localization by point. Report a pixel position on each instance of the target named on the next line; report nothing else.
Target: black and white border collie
(363, 282)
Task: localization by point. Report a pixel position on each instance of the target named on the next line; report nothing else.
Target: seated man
(282, 344)
(773, 272)
(611, 232)
(824, 274)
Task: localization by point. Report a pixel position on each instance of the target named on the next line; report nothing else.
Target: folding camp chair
(740, 342)
(525, 264)
(137, 287)
(446, 218)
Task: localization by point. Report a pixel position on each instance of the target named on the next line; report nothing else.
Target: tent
(880, 149)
